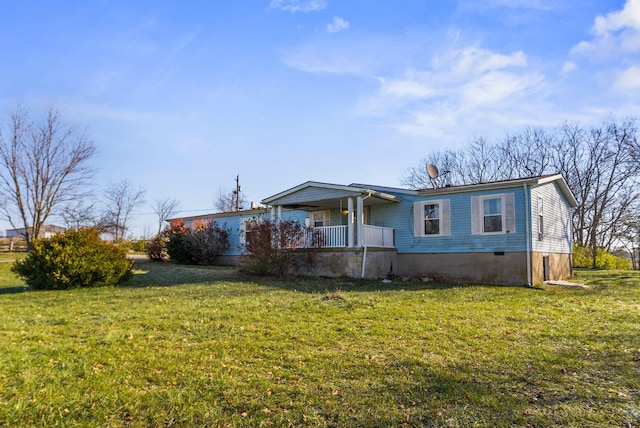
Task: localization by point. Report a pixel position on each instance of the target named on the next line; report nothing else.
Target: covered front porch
(340, 215)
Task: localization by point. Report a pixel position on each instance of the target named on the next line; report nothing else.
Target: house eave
(506, 184)
(213, 216)
(341, 191)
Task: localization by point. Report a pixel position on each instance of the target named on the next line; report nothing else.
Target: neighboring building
(508, 232)
(46, 231)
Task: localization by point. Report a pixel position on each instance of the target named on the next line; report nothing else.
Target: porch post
(273, 213)
(279, 212)
(359, 217)
(350, 228)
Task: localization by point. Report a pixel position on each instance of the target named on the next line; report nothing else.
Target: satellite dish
(432, 170)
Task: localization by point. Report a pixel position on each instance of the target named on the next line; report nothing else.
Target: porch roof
(314, 195)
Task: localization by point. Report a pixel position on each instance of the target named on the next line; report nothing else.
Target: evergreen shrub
(74, 259)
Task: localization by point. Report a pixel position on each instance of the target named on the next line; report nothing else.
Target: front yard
(192, 346)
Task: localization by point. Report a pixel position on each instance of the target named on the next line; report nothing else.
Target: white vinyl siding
(493, 214)
(556, 220)
(432, 218)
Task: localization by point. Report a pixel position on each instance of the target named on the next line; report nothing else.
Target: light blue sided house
(507, 232)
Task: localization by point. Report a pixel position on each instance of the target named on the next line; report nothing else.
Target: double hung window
(431, 218)
(493, 214)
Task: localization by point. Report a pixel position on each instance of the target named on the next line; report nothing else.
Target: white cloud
(628, 17)
(568, 67)
(629, 79)
(405, 88)
(299, 5)
(338, 24)
(616, 33)
(468, 88)
(476, 60)
(498, 89)
(312, 59)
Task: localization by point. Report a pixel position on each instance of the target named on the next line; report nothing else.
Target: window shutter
(418, 219)
(445, 217)
(510, 212)
(476, 216)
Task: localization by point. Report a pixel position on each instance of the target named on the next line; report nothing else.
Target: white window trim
(444, 218)
(243, 229)
(503, 215)
(540, 219)
(508, 219)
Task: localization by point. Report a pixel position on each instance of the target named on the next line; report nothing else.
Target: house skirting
(508, 268)
(338, 262)
(349, 262)
(505, 268)
(558, 266)
(232, 260)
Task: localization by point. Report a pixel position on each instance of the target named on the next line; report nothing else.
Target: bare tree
(482, 162)
(165, 209)
(448, 164)
(43, 165)
(601, 165)
(80, 214)
(120, 200)
(527, 154)
(478, 163)
(230, 200)
(629, 236)
(601, 171)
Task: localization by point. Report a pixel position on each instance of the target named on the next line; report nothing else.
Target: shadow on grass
(14, 290)
(164, 274)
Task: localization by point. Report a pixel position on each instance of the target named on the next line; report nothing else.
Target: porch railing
(376, 236)
(336, 236)
(332, 236)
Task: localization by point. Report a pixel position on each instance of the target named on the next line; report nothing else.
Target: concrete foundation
(227, 261)
(508, 268)
(338, 262)
(474, 268)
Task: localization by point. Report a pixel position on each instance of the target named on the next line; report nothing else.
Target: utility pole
(237, 192)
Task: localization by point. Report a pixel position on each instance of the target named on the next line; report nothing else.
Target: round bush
(75, 259)
(157, 249)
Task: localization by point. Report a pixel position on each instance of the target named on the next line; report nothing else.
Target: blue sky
(180, 97)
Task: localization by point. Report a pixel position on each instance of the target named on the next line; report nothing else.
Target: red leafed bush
(197, 244)
(273, 247)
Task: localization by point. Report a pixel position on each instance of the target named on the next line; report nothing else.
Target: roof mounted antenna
(434, 173)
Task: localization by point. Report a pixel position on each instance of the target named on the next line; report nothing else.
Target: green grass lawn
(190, 346)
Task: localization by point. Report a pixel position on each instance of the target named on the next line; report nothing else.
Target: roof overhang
(217, 215)
(314, 195)
(506, 184)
